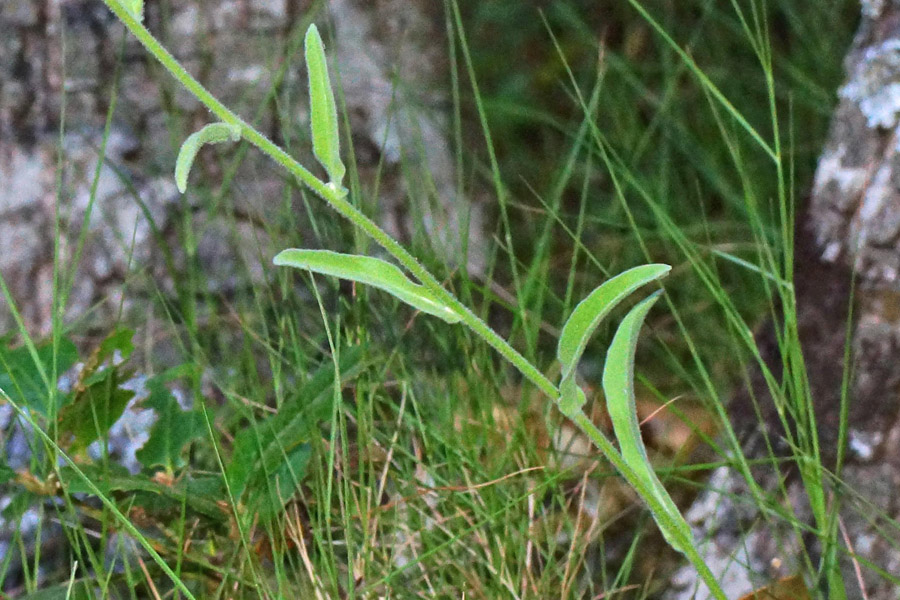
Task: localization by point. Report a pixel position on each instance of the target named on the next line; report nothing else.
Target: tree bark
(849, 228)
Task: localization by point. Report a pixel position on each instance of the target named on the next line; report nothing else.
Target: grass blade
(325, 135)
(371, 271)
(211, 134)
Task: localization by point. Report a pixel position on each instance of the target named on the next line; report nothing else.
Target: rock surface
(65, 65)
(60, 61)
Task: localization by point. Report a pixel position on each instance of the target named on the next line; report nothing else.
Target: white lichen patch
(888, 274)
(863, 443)
(832, 252)
(871, 9)
(877, 195)
(874, 86)
(881, 107)
(833, 171)
(873, 207)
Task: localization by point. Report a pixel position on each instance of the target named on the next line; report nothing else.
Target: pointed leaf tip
(211, 134)
(323, 110)
(587, 316)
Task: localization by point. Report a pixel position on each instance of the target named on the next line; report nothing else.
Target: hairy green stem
(644, 491)
(336, 198)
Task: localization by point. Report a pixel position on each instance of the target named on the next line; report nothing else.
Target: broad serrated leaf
(205, 495)
(116, 348)
(269, 453)
(585, 319)
(268, 500)
(6, 473)
(618, 387)
(94, 409)
(370, 271)
(174, 428)
(21, 379)
(211, 134)
(119, 341)
(98, 400)
(326, 137)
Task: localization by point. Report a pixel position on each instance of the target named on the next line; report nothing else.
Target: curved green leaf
(587, 315)
(325, 135)
(618, 387)
(20, 372)
(371, 271)
(585, 319)
(211, 134)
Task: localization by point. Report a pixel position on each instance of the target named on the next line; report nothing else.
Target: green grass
(430, 471)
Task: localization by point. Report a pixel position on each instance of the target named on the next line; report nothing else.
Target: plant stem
(335, 198)
(612, 455)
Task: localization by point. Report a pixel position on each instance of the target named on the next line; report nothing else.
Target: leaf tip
(280, 259)
(312, 34)
(210, 134)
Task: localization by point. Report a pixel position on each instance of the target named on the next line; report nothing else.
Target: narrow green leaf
(585, 319)
(211, 134)
(325, 134)
(6, 473)
(269, 456)
(371, 271)
(136, 8)
(78, 590)
(618, 387)
(587, 315)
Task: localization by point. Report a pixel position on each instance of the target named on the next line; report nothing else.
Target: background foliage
(316, 439)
